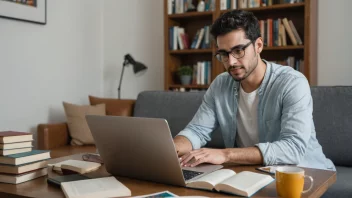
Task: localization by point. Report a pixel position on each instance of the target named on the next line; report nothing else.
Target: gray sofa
(332, 116)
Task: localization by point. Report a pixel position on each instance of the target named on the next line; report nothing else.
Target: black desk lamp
(137, 67)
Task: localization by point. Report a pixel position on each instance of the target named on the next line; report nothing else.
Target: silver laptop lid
(140, 148)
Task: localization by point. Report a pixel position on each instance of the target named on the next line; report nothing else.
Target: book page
(76, 165)
(245, 181)
(214, 177)
(102, 187)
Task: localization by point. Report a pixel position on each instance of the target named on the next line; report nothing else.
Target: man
(264, 110)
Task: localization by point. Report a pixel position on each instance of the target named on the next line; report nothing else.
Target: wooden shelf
(190, 86)
(289, 47)
(303, 15)
(191, 14)
(273, 7)
(191, 51)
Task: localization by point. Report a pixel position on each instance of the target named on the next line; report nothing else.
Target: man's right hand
(182, 145)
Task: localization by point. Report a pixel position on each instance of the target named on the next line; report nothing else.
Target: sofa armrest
(52, 135)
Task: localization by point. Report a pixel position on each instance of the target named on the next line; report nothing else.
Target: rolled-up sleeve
(204, 121)
(296, 125)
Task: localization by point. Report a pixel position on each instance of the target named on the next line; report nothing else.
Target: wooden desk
(40, 188)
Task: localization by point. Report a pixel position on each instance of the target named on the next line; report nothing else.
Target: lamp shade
(137, 67)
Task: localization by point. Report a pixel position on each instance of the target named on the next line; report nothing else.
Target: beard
(252, 65)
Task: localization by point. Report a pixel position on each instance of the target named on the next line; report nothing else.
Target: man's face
(238, 68)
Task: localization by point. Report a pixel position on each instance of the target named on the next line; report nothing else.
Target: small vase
(201, 6)
(186, 80)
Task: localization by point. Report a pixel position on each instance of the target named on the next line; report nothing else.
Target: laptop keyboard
(187, 174)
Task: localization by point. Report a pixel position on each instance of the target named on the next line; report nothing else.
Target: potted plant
(185, 74)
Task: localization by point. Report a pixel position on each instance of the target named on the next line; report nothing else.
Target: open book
(77, 166)
(245, 183)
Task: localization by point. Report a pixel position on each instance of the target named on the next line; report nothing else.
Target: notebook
(92, 188)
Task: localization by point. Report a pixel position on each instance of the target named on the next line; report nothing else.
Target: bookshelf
(303, 15)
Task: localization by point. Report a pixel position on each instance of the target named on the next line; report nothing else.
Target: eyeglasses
(236, 52)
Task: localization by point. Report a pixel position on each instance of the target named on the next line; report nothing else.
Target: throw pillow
(115, 107)
(77, 124)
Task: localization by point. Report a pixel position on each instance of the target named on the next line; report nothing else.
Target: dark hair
(234, 20)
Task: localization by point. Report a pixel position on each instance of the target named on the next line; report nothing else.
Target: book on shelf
(77, 166)
(201, 73)
(295, 33)
(11, 169)
(183, 6)
(16, 145)
(24, 158)
(5, 152)
(202, 39)
(100, 187)
(20, 178)
(13, 136)
(289, 31)
(245, 183)
(293, 62)
(273, 32)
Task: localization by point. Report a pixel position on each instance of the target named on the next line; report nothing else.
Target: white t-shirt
(247, 122)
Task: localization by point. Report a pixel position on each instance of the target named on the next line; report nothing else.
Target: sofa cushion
(178, 108)
(343, 186)
(77, 124)
(116, 107)
(332, 115)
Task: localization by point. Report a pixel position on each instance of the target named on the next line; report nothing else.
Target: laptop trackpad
(206, 168)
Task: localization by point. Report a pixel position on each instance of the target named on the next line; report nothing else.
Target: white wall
(334, 42)
(43, 65)
(135, 27)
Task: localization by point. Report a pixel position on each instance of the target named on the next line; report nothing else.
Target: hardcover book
(23, 158)
(16, 179)
(13, 136)
(12, 169)
(16, 145)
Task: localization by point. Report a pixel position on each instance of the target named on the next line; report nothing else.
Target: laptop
(142, 148)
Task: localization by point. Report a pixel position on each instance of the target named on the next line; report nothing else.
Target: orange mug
(290, 182)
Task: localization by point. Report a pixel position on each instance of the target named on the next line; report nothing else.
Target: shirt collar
(265, 80)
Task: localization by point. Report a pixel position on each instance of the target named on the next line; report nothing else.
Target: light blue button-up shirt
(285, 122)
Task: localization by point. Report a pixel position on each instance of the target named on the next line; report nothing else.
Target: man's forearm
(250, 155)
(182, 144)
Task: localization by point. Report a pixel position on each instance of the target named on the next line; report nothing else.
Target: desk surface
(40, 188)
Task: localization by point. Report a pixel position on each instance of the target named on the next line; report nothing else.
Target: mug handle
(311, 184)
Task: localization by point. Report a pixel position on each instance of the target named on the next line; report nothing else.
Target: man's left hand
(203, 155)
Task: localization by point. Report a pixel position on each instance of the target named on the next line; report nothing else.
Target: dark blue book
(27, 157)
(66, 178)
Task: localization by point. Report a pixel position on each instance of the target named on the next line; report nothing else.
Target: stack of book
(18, 161)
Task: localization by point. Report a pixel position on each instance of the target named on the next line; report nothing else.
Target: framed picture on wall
(24, 10)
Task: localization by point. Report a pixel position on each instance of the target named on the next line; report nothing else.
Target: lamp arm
(119, 88)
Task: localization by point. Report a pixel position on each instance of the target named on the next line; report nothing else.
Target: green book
(23, 158)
